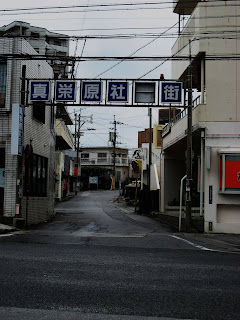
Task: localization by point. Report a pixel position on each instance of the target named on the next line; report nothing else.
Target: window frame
(38, 176)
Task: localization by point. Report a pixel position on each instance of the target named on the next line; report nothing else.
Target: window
(57, 42)
(37, 178)
(102, 157)
(35, 35)
(3, 77)
(85, 156)
(39, 111)
(229, 173)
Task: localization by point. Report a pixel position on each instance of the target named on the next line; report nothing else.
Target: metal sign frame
(104, 102)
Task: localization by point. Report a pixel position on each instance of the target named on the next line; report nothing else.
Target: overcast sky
(155, 19)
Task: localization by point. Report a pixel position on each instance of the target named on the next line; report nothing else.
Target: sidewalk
(226, 242)
(7, 229)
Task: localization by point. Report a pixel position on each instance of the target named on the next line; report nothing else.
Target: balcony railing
(181, 115)
(103, 161)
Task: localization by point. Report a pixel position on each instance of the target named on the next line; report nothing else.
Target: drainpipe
(202, 169)
(180, 209)
(202, 80)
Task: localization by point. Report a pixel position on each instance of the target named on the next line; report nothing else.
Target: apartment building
(41, 133)
(211, 36)
(26, 184)
(103, 157)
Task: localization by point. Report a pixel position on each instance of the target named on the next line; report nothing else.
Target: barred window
(102, 155)
(3, 78)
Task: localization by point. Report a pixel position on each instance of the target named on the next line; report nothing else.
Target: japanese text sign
(117, 91)
(17, 129)
(39, 90)
(65, 90)
(171, 92)
(91, 91)
(93, 180)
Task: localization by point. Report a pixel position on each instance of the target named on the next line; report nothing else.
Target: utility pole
(78, 139)
(150, 149)
(189, 149)
(75, 136)
(78, 133)
(114, 152)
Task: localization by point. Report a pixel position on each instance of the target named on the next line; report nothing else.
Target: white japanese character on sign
(171, 92)
(91, 91)
(39, 90)
(117, 92)
(65, 91)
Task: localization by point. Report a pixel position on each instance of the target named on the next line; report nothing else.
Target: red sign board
(76, 170)
(232, 172)
(232, 175)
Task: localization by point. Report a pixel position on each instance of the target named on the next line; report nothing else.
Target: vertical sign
(171, 92)
(210, 195)
(117, 91)
(39, 90)
(65, 90)
(91, 91)
(17, 129)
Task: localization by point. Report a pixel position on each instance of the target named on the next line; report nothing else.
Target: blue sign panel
(65, 90)
(171, 92)
(39, 90)
(117, 92)
(91, 91)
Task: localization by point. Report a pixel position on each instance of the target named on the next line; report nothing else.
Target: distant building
(103, 157)
(44, 42)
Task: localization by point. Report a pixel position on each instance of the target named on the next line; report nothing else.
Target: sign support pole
(189, 149)
(78, 138)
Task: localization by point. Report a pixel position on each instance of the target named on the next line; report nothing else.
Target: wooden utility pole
(75, 136)
(189, 149)
(114, 152)
(78, 140)
(150, 149)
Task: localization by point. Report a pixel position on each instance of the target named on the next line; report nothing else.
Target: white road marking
(6, 235)
(192, 244)
(201, 247)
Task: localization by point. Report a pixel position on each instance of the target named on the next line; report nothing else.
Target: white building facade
(211, 36)
(26, 195)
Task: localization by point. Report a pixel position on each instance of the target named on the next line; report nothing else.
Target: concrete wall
(224, 212)
(174, 170)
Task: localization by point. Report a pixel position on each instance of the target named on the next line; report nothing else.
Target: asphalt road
(98, 260)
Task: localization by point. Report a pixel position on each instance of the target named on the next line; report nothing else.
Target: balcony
(64, 138)
(104, 161)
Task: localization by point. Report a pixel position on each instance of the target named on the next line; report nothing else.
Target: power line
(142, 47)
(217, 3)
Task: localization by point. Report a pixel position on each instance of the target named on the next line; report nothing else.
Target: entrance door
(2, 176)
